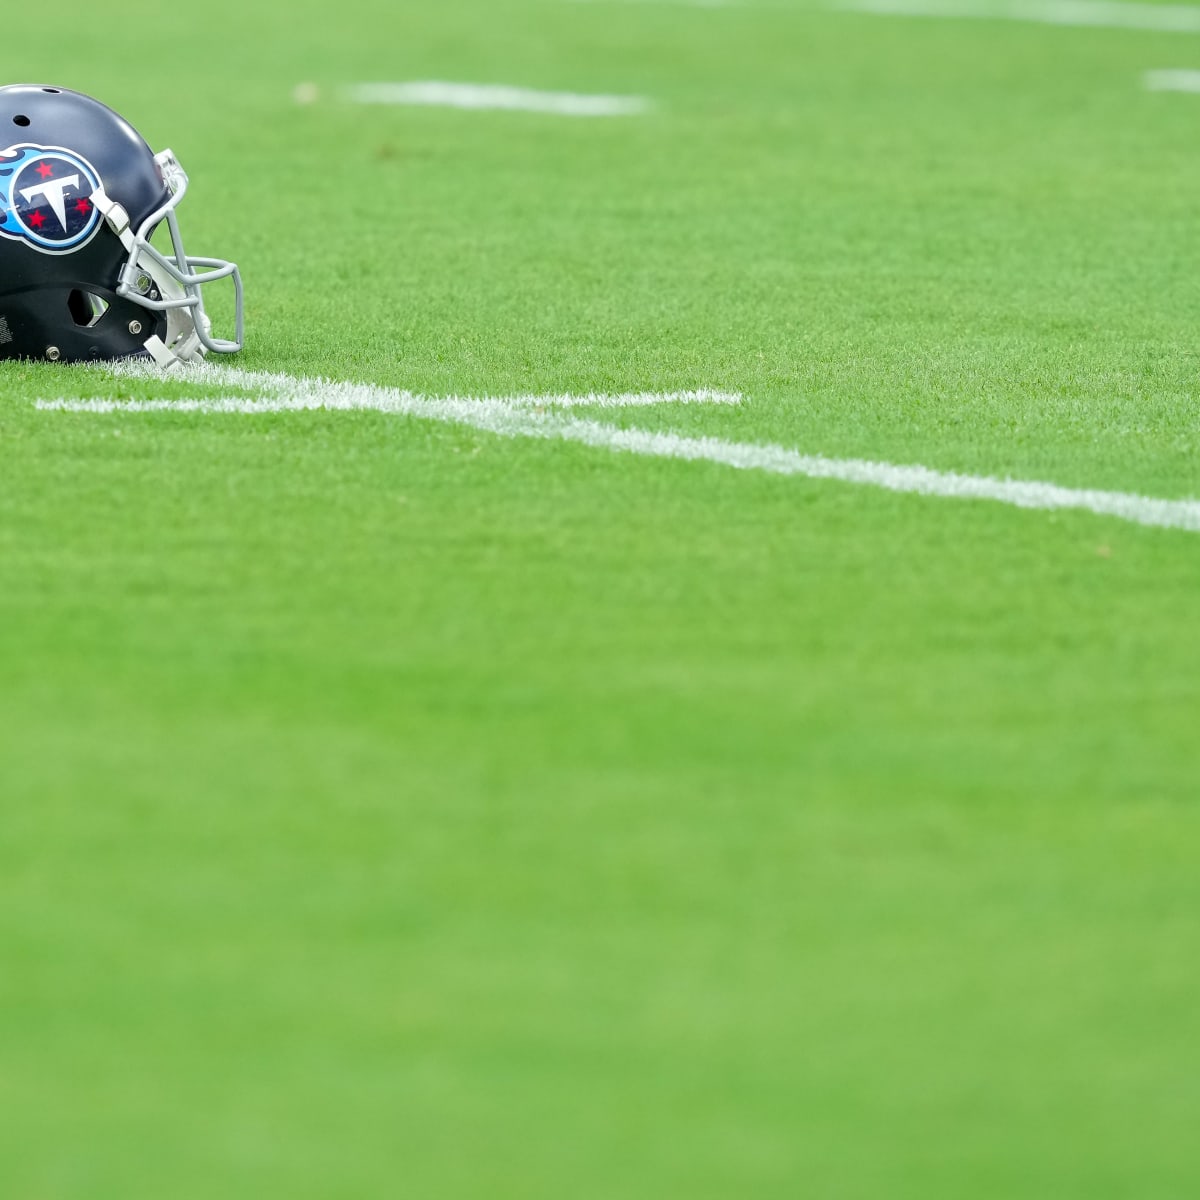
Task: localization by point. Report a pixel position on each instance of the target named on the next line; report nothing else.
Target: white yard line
(476, 96)
(1096, 14)
(1171, 81)
(277, 392)
(683, 3)
(541, 417)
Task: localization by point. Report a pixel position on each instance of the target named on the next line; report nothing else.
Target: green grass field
(389, 808)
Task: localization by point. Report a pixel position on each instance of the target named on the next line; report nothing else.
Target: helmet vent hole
(86, 310)
(52, 91)
(21, 119)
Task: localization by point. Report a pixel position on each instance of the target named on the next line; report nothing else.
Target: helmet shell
(43, 295)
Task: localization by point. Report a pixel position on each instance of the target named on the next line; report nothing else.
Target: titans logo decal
(46, 198)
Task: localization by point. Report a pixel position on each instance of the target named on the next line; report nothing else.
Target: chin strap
(117, 219)
(189, 330)
(166, 358)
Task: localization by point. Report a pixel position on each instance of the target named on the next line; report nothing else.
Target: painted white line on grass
(674, 3)
(342, 397)
(1096, 14)
(277, 392)
(439, 94)
(1171, 81)
(539, 417)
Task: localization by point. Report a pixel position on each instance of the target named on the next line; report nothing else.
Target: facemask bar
(146, 266)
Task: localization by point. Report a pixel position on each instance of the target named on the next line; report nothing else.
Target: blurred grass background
(385, 808)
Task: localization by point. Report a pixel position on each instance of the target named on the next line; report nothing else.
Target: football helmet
(81, 194)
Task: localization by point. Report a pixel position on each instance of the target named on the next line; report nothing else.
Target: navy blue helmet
(81, 193)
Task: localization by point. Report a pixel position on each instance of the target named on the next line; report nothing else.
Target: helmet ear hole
(86, 309)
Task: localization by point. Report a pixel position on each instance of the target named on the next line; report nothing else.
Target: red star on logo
(44, 169)
(82, 207)
(36, 220)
